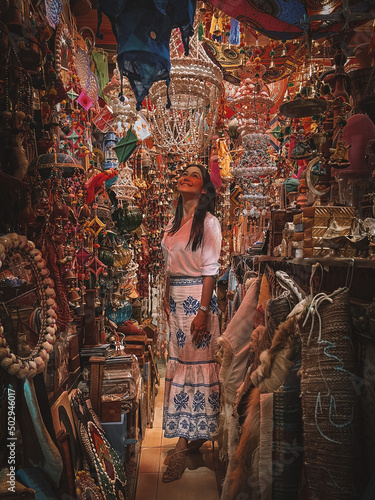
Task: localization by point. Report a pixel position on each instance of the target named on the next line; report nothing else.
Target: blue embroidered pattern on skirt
(190, 305)
(214, 305)
(191, 426)
(205, 342)
(199, 402)
(181, 338)
(192, 390)
(180, 400)
(214, 400)
(172, 306)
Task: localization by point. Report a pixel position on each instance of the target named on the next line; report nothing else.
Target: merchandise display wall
(97, 126)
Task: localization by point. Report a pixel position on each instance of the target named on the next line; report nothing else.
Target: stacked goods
(315, 222)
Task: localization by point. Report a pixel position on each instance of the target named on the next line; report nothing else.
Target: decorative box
(111, 410)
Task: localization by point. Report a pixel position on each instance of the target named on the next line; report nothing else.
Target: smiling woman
(191, 246)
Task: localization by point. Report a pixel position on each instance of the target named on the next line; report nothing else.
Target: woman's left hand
(198, 327)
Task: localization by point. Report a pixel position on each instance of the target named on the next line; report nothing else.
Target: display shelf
(335, 272)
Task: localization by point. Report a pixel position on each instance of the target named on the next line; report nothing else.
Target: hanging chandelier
(252, 103)
(194, 92)
(122, 111)
(124, 188)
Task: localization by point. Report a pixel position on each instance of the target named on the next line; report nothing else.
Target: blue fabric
(143, 29)
(234, 37)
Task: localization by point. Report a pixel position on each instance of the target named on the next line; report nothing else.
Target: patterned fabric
(192, 394)
(284, 19)
(142, 30)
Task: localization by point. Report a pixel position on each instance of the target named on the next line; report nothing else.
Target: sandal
(176, 466)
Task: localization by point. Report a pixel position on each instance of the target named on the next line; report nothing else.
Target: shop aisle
(200, 479)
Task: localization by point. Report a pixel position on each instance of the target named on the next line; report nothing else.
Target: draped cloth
(44, 452)
(142, 29)
(288, 19)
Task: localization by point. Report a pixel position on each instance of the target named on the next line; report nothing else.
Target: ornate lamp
(194, 91)
(251, 104)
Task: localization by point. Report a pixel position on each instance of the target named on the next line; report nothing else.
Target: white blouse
(182, 261)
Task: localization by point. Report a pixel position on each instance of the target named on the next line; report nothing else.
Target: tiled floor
(199, 479)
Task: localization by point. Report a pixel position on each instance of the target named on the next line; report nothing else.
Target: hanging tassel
(100, 18)
(169, 104)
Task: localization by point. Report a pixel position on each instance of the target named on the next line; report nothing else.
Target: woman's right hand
(166, 306)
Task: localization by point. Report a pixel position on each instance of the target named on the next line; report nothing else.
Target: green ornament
(125, 147)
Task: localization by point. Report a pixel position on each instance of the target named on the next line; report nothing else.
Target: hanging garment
(243, 476)
(234, 345)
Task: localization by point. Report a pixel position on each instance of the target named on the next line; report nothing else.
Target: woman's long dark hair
(206, 204)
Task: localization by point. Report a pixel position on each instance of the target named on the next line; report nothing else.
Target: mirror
(27, 307)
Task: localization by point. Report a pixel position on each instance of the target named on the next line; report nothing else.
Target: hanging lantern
(195, 89)
(251, 104)
(122, 109)
(124, 187)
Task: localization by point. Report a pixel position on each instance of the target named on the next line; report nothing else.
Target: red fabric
(215, 174)
(358, 131)
(130, 328)
(94, 184)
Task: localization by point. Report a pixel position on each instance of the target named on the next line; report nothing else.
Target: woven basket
(330, 404)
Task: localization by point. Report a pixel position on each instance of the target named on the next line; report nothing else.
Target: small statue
(339, 158)
(300, 151)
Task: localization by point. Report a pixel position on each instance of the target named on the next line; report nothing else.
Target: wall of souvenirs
(283, 116)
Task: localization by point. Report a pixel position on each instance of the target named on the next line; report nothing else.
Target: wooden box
(111, 411)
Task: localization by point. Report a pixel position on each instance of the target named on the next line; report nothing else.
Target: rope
(313, 312)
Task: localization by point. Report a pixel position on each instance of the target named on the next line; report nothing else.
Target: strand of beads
(28, 367)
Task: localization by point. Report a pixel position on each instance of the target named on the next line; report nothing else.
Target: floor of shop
(203, 474)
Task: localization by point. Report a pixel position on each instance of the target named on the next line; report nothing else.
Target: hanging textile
(100, 59)
(142, 29)
(288, 19)
(234, 37)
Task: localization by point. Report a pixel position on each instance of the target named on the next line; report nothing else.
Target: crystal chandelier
(252, 104)
(124, 188)
(123, 111)
(194, 91)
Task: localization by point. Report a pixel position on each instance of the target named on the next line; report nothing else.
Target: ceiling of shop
(86, 16)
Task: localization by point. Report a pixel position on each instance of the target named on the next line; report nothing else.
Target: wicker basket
(330, 404)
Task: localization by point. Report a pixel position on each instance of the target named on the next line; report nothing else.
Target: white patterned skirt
(192, 391)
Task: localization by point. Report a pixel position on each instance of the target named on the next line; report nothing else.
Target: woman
(191, 247)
